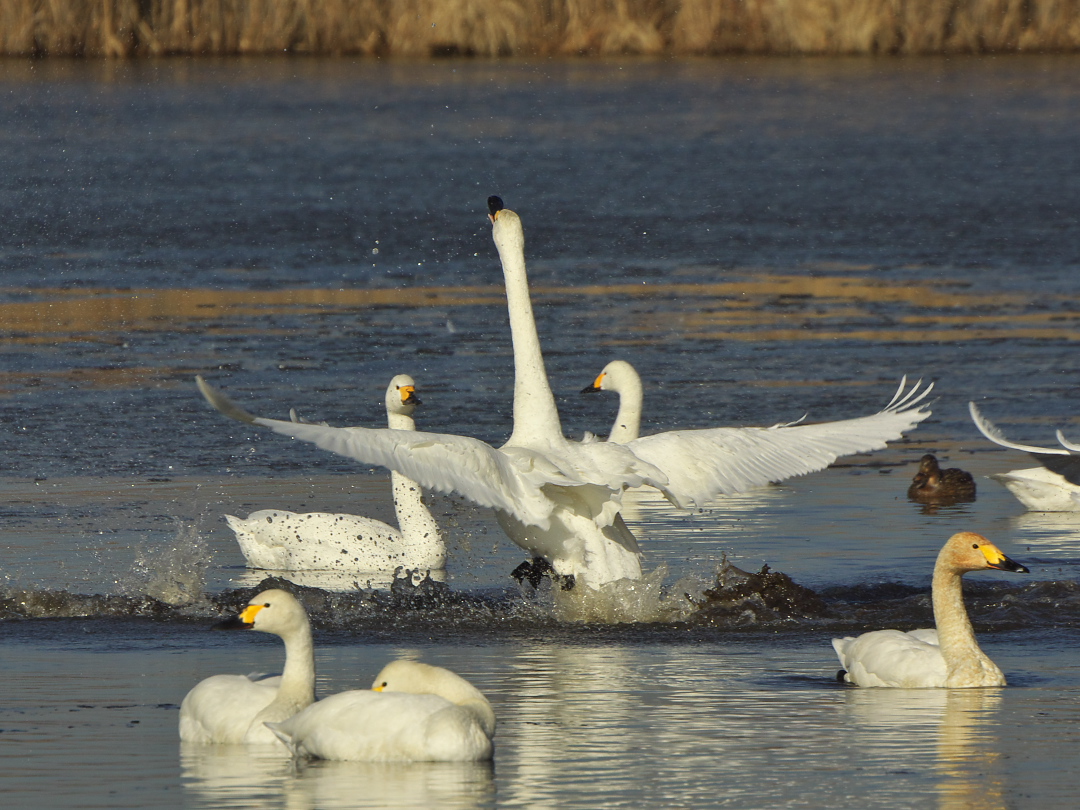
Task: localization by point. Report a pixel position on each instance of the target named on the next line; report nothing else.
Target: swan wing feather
(701, 464)
(506, 480)
(892, 658)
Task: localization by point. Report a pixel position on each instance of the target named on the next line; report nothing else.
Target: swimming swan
(948, 656)
(1053, 487)
(234, 708)
(414, 712)
(320, 541)
(701, 464)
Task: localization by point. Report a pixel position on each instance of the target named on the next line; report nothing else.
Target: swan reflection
(253, 776)
(956, 729)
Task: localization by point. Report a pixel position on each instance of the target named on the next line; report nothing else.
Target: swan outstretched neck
(320, 541)
(1055, 487)
(414, 712)
(235, 708)
(704, 463)
(947, 657)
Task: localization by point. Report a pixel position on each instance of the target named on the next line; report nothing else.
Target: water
(761, 238)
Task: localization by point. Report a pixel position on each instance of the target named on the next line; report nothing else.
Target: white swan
(948, 656)
(703, 463)
(320, 541)
(234, 708)
(414, 713)
(1053, 487)
(555, 498)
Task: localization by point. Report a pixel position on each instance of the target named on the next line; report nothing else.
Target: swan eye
(267, 604)
(974, 545)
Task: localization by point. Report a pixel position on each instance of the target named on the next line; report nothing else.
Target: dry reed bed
(504, 27)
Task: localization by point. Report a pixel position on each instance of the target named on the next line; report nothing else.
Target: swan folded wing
(892, 658)
(701, 464)
(441, 462)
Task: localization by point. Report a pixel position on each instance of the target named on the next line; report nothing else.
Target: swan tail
(284, 736)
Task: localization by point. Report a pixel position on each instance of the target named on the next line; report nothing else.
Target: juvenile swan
(320, 541)
(948, 656)
(234, 708)
(1053, 487)
(728, 460)
(414, 713)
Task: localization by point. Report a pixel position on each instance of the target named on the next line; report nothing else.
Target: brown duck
(932, 484)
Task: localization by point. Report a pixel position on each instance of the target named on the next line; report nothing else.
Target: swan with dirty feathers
(235, 708)
(414, 712)
(707, 462)
(1052, 487)
(948, 656)
(556, 498)
(319, 541)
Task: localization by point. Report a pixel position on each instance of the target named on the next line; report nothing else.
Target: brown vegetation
(529, 27)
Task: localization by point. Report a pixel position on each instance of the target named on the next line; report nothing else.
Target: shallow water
(761, 238)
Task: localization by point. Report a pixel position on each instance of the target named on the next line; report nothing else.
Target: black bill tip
(495, 205)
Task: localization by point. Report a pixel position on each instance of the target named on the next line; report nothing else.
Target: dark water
(761, 238)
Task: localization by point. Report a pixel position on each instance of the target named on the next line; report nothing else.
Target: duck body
(413, 713)
(277, 539)
(947, 656)
(234, 708)
(932, 484)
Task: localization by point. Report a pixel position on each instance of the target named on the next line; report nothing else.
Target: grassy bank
(502, 27)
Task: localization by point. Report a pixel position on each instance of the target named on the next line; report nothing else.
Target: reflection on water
(237, 776)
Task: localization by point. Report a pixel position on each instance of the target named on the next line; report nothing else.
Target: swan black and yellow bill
(996, 558)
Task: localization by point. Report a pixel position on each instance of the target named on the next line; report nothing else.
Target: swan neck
(414, 519)
(628, 420)
(298, 677)
(535, 417)
(956, 636)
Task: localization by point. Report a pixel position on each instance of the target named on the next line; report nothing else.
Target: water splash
(175, 573)
(643, 600)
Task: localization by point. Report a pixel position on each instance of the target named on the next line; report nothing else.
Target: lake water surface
(763, 239)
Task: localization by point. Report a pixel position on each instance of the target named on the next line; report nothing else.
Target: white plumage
(1053, 487)
(234, 708)
(320, 541)
(701, 464)
(948, 656)
(413, 713)
(559, 499)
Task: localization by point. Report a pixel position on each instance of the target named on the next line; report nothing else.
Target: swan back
(417, 678)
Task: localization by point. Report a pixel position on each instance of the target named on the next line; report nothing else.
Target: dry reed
(114, 28)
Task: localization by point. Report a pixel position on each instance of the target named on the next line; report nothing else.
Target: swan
(932, 484)
(703, 463)
(559, 499)
(234, 708)
(948, 656)
(1053, 487)
(320, 541)
(414, 712)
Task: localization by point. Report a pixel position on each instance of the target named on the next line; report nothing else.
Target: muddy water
(762, 239)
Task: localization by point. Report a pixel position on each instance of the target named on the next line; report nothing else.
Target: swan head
(617, 376)
(968, 551)
(506, 227)
(273, 611)
(401, 395)
(417, 678)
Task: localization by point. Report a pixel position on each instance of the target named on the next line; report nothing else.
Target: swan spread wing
(1060, 460)
(701, 464)
(509, 479)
